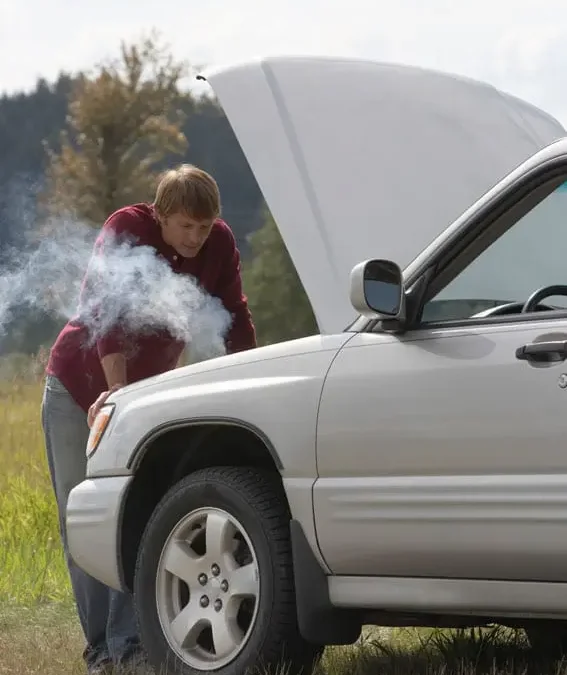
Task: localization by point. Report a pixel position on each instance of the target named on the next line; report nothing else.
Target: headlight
(98, 428)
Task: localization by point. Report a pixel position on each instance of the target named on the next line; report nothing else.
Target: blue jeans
(107, 616)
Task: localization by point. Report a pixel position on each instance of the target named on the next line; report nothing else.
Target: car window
(532, 254)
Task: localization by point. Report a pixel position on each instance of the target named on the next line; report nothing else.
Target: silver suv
(408, 470)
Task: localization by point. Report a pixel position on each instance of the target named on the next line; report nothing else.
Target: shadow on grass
(473, 652)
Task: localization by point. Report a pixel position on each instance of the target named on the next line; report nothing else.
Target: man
(184, 228)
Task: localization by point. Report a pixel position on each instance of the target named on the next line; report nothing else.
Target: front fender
(276, 397)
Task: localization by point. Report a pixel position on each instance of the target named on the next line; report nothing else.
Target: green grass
(39, 632)
(31, 562)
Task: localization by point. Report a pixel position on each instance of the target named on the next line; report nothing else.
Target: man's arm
(114, 368)
(242, 334)
(111, 346)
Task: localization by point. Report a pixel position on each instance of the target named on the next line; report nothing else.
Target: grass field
(38, 627)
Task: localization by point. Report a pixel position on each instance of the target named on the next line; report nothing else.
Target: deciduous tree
(123, 120)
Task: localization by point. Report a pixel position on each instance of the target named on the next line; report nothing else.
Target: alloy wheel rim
(208, 588)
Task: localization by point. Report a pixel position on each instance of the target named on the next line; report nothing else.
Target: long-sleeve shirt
(76, 361)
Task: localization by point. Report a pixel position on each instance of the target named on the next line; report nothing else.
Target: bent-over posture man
(184, 228)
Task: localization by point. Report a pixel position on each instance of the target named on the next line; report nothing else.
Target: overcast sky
(518, 45)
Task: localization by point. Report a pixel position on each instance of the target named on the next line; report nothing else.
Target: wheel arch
(201, 422)
(172, 451)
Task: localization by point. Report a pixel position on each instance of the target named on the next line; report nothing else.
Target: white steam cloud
(129, 286)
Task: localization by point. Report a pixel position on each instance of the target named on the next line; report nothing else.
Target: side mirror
(377, 289)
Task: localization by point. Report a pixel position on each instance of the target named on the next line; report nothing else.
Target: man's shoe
(101, 669)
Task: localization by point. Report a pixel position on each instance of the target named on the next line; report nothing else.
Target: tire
(258, 621)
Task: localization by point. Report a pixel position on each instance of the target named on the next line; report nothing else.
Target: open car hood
(362, 160)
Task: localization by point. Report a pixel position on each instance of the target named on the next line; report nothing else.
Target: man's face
(184, 233)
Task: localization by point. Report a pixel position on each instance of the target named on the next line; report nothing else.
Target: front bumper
(93, 516)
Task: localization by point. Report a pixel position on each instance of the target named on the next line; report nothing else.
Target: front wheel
(214, 585)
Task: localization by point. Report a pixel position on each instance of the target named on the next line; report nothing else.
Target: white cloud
(517, 46)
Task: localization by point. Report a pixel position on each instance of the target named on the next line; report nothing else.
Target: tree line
(93, 142)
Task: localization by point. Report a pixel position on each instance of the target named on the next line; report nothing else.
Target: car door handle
(543, 351)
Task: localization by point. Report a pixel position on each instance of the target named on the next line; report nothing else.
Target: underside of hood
(361, 160)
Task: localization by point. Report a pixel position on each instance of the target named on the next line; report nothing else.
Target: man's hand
(114, 367)
(101, 400)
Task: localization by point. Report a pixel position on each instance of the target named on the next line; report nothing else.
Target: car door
(442, 451)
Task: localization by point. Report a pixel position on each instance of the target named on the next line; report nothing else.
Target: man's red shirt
(216, 268)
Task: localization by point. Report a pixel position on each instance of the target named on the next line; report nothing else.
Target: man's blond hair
(190, 190)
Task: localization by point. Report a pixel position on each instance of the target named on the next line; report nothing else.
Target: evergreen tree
(279, 304)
